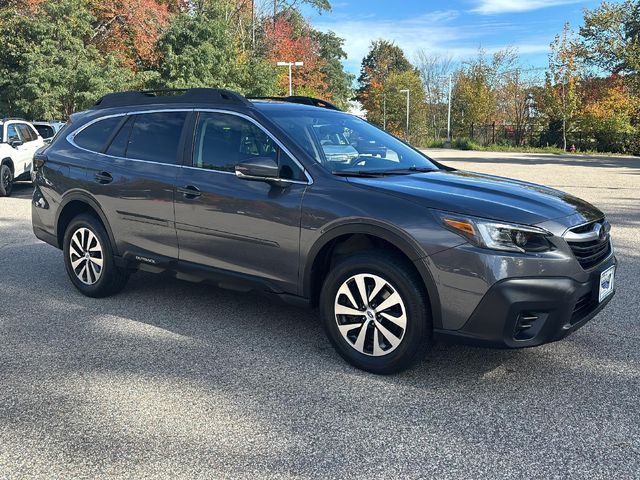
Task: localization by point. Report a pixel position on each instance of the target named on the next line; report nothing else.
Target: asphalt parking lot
(176, 380)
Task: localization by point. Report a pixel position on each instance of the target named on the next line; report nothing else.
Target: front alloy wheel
(375, 311)
(370, 314)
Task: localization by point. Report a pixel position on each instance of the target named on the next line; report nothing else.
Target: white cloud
(491, 7)
(435, 32)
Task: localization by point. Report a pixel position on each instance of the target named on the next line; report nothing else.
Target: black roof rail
(150, 97)
(316, 102)
(12, 118)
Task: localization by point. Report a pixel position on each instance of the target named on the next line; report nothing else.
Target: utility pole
(290, 65)
(275, 12)
(407, 131)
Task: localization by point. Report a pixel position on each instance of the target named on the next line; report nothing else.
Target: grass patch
(468, 144)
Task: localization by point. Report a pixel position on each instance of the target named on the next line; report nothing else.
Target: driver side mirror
(15, 143)
(258, 168)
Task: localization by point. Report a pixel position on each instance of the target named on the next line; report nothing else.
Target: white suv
(18, 144)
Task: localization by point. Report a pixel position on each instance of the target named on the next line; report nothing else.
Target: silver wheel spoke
(345, 290)
(400, 321)
(348, 327)
(362, 290)
(376, 344)
(75, 263)
(389, 302)
(76, 242)
(84, 272)
(359, 345)
(379, 285)
(95, 272)
(97, 261)
(389, 337)
(343, 310)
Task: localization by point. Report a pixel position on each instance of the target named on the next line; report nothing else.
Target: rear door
(20, 152)
(31, 143)
(248, 227)
(133, 178)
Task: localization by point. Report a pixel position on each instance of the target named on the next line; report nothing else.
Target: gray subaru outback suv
(393, 247)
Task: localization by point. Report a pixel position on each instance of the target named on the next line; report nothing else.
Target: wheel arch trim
(86, 198)
(396, 237)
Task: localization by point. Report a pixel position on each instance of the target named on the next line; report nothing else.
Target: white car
(18, 144)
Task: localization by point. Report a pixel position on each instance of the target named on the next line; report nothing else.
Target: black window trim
(72, 135)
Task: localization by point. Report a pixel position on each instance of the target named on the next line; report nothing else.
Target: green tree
(610, 37)
(199, 50)
(48, 68)
(339, 82)
(390, 105)
(561, 83)
(383, 59)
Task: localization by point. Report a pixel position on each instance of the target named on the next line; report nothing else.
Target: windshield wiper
(413, 169)
(369, 173)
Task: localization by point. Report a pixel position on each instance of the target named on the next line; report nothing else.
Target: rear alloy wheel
(89, 259)
(85, 254)
(6, 181)
(375, 312)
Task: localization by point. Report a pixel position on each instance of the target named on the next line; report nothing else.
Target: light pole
(407, 92)
(290, 64)
(449, 114)
(384, 110)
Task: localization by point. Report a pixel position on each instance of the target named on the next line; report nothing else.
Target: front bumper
(525, 312)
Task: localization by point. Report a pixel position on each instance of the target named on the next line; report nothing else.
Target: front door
(222, 221)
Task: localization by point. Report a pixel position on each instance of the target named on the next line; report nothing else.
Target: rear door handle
(104, 178)
(190, 191)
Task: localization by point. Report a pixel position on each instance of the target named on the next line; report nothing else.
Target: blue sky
(454, 27)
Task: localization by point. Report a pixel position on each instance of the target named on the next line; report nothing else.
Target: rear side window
(155, 136)
(96, 135)
(45, 131)
(26, 133)
(118, 147)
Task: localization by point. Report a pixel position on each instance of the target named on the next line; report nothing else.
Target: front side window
(12, 134)
(344, 143)
(223, 140)
(95, 136)
(155, 136)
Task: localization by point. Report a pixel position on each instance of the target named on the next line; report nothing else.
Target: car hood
(485, 196)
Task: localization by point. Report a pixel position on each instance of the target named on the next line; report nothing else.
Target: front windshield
(343, 143)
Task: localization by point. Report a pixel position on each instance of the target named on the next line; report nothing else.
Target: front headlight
(498, 235)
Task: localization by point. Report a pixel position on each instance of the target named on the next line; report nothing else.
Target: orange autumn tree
(131, 29)
(291, 39)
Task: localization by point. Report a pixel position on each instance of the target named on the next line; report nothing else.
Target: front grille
(590, 253)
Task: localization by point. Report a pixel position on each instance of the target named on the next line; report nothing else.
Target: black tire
(400, 275)
(112, 278)
(6, 180)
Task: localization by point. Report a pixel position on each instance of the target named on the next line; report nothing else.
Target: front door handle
(104, 178)
(190, 191)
